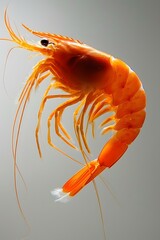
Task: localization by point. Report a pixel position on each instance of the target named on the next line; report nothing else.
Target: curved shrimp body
(127, 101)
(100, 84)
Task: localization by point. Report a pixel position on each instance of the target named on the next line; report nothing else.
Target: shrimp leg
(61, 107)
(58, 125)
(38, 126)
(80, 123)
(41, 108)
(92, 109)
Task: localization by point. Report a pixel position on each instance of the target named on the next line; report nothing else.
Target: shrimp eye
(44, 42)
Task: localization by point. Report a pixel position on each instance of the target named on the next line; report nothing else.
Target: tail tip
(60, 196)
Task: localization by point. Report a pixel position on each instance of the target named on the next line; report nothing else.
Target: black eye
(44, 42)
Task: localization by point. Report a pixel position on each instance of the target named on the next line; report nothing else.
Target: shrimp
(99, 84)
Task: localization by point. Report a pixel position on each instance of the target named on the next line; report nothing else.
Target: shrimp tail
(109, 155)
(78, 181)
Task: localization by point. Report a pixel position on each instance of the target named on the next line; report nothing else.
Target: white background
(128, 30)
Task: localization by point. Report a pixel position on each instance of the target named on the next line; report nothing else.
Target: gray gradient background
(129, 30)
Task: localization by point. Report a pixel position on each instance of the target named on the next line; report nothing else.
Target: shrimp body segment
(99, 84)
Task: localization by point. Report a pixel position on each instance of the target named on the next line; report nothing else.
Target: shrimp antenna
(100, 208)
(5, 66)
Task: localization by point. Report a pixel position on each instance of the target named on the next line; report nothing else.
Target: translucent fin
(60, 196)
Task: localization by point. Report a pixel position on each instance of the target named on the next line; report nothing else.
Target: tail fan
(78, 181)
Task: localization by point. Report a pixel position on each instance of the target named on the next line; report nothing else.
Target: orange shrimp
(100, 84)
